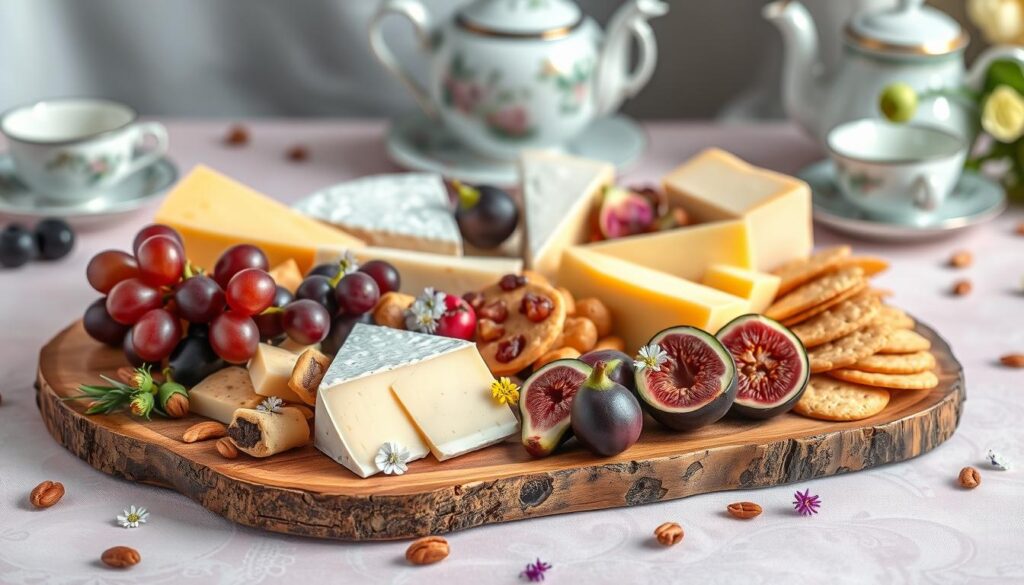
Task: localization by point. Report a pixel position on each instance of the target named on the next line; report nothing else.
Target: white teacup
(70, 150)
(898, 171)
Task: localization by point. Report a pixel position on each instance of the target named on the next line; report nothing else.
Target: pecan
(488, 330)
(669, 533)
(46, 494)
(744, 510)
(427, 550)
(1013, 360)
(297, 153)
(120, 557)
(962, 287)
(237, 136)
(961, 259)
(969, 478)
(226, 448)
(204, 431)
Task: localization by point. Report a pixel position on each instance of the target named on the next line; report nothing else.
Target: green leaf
(1004, 72)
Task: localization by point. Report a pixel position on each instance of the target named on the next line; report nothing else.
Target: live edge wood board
(303, 492)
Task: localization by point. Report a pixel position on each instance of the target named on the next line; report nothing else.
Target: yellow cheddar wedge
(716, 185)
(287, 274)
(757, 288)
(645, 301)
(685, 252)
(213, 212)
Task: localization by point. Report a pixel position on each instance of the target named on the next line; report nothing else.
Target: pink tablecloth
(906, 523)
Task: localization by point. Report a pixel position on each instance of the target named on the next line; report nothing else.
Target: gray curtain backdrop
(235, 58)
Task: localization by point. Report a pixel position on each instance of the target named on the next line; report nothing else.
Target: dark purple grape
(101, 326)
(330, 270)
(199, 299)
(306, 322)
(341, 327)
(193, 359)
(318, 288)
(486, 215)
(236, 259)
(17, 246)
(270, 323)
(357, 293)
(384, 274)
(55, 238)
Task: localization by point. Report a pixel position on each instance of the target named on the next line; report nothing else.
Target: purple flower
(534, 572)
(805, 503)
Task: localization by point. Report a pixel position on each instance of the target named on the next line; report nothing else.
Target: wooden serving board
(304, 492)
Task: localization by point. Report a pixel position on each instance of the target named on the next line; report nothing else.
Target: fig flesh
(771, 365)
(621, 372)
(696, 383)
(545, 403)
(606, 418)
(624, 213)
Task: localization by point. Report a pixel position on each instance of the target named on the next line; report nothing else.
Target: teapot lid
(520, 18)
(908, 28)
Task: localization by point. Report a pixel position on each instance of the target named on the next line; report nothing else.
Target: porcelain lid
(520, 17)
(908, 28)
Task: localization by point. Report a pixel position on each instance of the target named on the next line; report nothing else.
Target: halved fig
(545, 403)
(771, 365)
(695, 384)
(623, 213)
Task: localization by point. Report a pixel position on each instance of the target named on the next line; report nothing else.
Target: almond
(961, 259)
(962, 287)
(120, 557)
(744, 510)
(1013, 360)
(226, 448)
(669, 534)
(204, 431)
(46, 494)
(427, 550)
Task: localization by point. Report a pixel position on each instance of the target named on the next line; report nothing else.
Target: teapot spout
(614, 81)
(802, 81)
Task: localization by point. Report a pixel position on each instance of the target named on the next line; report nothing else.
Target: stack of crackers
(860, 348)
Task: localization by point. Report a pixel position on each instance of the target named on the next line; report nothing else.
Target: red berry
(458, 320)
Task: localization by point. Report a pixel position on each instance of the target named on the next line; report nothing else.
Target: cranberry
(510, 349)
(511, 282)
(536, 307)
(496, 311)
(475, 300)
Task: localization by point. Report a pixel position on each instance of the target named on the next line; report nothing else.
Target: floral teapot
(908, 43)
(511, 74)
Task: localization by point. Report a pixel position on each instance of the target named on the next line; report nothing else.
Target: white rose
(1001, 21)
(1003, 114)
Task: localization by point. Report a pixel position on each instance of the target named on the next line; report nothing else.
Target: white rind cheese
(407, 210)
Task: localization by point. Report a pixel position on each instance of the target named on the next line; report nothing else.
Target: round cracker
(849, 349)
(904, 341)
(894, 317)
(816, 292)
(539, 337)
(919, 381)
(871, 265)
(835, 400)
(843, 319)
(906, 363)
(798, 272)
(819, 309)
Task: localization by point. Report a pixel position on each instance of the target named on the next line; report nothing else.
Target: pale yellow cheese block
(222, 393)
(213, 212)
(645, 301)
(270, 370)
(685, 252)
(716, 185)
(758, 288)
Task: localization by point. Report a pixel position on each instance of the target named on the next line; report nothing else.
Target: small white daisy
(348, 262)
(272, 405)
(998, 461)
(651, 357)
(132, 517)
(392, 458)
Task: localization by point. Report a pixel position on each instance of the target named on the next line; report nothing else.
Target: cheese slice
(287, 274)
(685, 252)
(757, 287)
(559, 196)
(213, 213)
(270, 368)
(716, 185)
(451, 274)
(456, 414)
(645, 301)
(411, 211)
(220, 394)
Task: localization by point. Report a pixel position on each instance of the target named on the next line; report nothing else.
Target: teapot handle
(646, 61)
(976, 76)
(417, 15)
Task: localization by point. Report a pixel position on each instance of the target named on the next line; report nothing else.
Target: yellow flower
(1003, 114)
(505, 391)
(1000, 21)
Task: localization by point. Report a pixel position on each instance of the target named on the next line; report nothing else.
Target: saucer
(419, 143)
(18, 202)
(975, 200)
